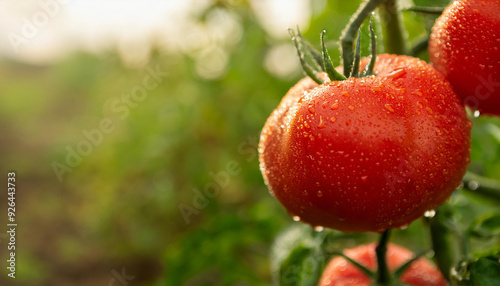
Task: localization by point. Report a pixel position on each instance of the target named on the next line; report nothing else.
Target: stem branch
(480, 185)
(395, 37)
(383, 274)
(349, 32)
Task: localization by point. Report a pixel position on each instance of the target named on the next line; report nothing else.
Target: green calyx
(314, 62)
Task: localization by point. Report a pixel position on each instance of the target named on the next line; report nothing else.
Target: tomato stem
(419, 45)
(393, 29)
(383, 274)
(349, 32)
(443, 239)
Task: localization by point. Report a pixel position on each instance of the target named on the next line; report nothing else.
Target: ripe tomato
(465, 46)
(367, 154)
(339, 272)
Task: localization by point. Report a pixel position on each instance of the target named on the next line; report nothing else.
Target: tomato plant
(374, 150)
(465, 46)
(420, 272)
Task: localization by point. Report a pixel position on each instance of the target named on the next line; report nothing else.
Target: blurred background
(133, 126)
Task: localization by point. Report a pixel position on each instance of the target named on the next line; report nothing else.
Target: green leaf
(311, 51)
(300, 52)
(291, 269)
(297, 258)
(485, 272)
(486, 227)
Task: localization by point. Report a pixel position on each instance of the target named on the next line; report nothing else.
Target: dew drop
(345, 93)
(311, 109)
(335, 105)
(473, 185)
(351, 107)
(333, 119)
(364, 178)
(321, 124)
(477, 113)
(296, 218)
(318, 228)
(376, 88)
(319, 194)
(397, 73)
(404, 226)
(430, 213)
(389, 107)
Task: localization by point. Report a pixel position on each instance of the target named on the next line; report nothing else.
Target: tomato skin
(339, 272)
(465, 46)
(367, 154)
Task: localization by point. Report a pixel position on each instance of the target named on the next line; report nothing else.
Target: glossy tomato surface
(465, 46)
(367, 154)
(340, 272)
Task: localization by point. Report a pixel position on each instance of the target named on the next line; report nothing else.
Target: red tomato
(465, 46)
(339, 272)
(367, 154)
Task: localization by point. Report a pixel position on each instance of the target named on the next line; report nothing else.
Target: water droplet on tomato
(345, 93)
(333, 119)
(397, 73)
(404, 226)
(319, 194)
(311, 109)
(376, 88)
(335, 105)
(430, 213)
(364, 178)
(477, 113)
(351, 107)
(296, 218)
(389, 107)
(321, 124)
(318, 228)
